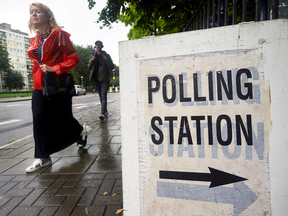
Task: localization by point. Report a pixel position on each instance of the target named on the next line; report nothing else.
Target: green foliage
(148, 17)
(14, 80)
(15, 94)
(81, 70)
(250, 11)
(115, 81)
(116, 70)
(91, 4)
(159, 17)
(5, 65)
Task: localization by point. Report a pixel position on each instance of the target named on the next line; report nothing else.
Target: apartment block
(17, 44)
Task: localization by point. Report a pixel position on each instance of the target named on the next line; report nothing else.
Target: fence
(215, 13)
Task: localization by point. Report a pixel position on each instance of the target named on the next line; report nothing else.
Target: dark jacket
(105, 66)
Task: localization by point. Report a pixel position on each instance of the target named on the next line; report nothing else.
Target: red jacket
(57, 52)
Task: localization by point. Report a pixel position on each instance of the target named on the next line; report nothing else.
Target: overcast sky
(76, 18)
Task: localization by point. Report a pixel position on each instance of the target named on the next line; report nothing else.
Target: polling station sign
(203, 134)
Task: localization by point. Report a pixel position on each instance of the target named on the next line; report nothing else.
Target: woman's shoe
(38, 164)
(81, 143)
(101, 117)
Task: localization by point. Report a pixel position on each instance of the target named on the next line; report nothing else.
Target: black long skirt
(54, 126)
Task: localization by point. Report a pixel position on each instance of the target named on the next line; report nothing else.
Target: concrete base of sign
(205, 82)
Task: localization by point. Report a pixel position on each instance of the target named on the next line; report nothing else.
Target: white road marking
(78, 104)
(11, 143)
(14, 105)
(80, 107)
(12, 121)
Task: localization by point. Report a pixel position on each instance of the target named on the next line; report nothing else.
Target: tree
(147, 17)
(5, 65)
(116, 76)
(159, 17)
(81, 73)
(6, 69)
(81, 70)
(14, 80)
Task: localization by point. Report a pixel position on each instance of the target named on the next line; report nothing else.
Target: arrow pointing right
(216, 177)
(240, 195)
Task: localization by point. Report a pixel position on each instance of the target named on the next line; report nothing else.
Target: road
(16, 117)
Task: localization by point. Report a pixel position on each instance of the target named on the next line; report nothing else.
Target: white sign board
(202, 134)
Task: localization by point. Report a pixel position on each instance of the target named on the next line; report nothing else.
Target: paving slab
(108, 200)
(18, 192)
(18, 151)
(89, 183)
(115, 139)
(70, 191)
(84, 181)
(19, 168)
(29, 153)
(69, 177)
(97, 176)
(20, 185)
(6, 164)
(67, 207)
(114, 175)
(104, 149)
(112, 133)
(71, 165)
(90, 210)
(49, 201)
(106, 187)
(4, 200)
(87, 197)
(70, 184)
(32, 197)
(8, 186)
(39, 184)
(54, 188)
(6, 177)
(48, 211)
(71, 151)
(99, 140)
(111, 210)
(24, 178)
(25, 211)
(10, 205)
(107, 163)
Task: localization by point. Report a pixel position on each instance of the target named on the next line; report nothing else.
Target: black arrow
(216, 177)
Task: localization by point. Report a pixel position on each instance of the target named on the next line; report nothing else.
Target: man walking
(100, 66)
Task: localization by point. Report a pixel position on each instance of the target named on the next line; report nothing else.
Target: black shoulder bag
(54, 85)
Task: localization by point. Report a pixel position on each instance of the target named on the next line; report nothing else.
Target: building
(17, 44)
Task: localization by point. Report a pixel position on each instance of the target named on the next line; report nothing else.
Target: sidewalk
(80, 182)
(14, 99)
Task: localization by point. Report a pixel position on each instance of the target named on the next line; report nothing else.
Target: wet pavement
(80, 181)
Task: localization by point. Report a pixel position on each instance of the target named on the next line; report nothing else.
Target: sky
(76, 18)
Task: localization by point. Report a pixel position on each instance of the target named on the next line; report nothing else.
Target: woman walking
(54, 126)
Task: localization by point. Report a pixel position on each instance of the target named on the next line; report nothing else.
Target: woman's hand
(93, 58)
(45, 68)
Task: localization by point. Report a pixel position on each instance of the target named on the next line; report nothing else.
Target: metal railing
(215, 13)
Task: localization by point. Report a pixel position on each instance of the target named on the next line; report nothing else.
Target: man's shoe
(81, 143)
(38, 164)
(106, 114)
(101, 117)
